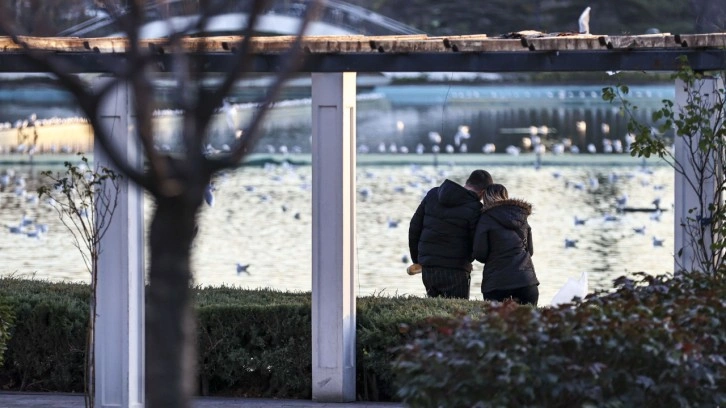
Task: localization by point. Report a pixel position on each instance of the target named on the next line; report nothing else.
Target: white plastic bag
(571, 289)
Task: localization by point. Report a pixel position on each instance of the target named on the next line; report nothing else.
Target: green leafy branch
(699, 126)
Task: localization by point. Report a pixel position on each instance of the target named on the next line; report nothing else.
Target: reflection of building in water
(495, 118)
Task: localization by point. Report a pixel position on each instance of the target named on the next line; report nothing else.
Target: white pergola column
(686, 197)
(120, 289)
(334, 231)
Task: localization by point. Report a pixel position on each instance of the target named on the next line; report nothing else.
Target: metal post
(334, 231)
(120, 288)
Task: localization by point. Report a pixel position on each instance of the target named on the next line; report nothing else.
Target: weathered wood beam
(411, 53)
(384, 44)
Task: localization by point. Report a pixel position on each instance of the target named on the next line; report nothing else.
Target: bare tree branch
(210, 100)
(291, 61)
(87, 100)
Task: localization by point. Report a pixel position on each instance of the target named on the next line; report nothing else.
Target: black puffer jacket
(503, 242)
(442, 229)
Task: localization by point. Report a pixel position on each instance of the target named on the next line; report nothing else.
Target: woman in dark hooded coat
(503, 243)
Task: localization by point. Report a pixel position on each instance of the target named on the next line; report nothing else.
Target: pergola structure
(333, 63)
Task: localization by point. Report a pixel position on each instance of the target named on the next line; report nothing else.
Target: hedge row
(652, 342)
(253, 343)
(655, 342)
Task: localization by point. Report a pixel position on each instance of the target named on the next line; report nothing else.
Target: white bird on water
(461, 134)
(242, 269)
(209, 194)
(584, 21)
(570, 243)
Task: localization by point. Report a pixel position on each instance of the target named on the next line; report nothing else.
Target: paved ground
(53, 400)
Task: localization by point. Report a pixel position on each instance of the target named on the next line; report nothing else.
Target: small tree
(176, 183)
(85, 199)
(700, 128)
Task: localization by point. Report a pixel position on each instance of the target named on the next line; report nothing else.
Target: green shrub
(6, 322)
(46, 348)
(384, 323)
(255, 350)
(253, 343)
(652, 343)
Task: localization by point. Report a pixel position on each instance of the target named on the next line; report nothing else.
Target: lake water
(262, 214)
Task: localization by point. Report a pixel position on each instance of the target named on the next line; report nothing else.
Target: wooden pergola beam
(391, 44)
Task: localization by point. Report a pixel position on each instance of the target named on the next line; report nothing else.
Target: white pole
(686, 150)
(120, 288)
(334, 231)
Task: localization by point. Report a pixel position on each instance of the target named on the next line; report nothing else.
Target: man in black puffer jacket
(441, 234)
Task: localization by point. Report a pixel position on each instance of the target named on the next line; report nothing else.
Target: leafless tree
(176, 183)
(85, 199)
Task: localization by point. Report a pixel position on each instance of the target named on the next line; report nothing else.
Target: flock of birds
(536, 141)
(620, 205)
(370, 181)
(27, 139)
(15, 185)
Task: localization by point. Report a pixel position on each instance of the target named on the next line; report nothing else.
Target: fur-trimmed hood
(509, 201)
(511, 213)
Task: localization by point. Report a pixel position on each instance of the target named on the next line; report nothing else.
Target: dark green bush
(46, 348)
(384, 323)
(6, 322)
(657, 342)
(653, 342)
(254, 343)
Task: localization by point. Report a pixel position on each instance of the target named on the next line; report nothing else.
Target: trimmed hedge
(652, 342)
(655, 342)
(6, 322)
(46, 348)
(252, 343)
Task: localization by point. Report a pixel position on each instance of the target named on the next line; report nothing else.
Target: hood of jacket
(452, 194)
(512, 213)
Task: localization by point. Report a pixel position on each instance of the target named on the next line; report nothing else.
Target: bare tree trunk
(170, 331)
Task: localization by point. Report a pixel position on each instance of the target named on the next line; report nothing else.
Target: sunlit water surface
(262, 217)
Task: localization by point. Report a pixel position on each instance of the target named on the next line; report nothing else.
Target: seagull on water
(242, 269)
(209, 194)
(461, 134)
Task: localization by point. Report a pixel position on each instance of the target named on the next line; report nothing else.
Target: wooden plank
(711, 40)
(564, 42)
(486, 45)
(664, 40)
(406, 45)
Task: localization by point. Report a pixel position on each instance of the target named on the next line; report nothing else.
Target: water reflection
(392, 117)
(262, 214)
(262, 217)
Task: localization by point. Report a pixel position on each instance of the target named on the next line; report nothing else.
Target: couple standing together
(454, 225)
